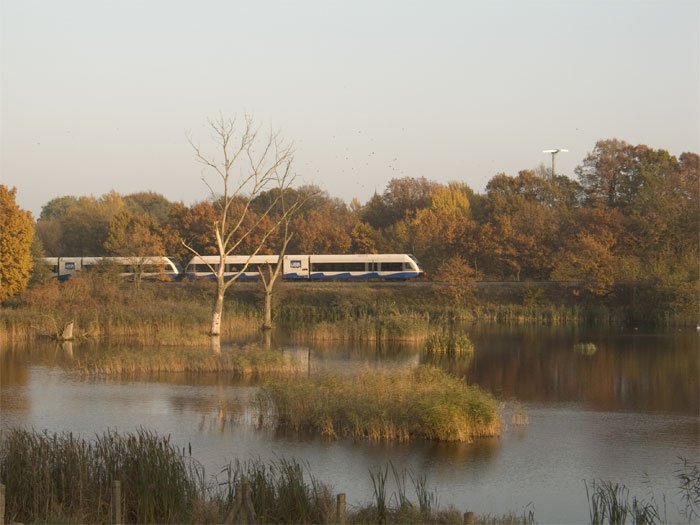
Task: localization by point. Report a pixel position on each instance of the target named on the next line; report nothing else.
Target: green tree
(150, 203)
(70, 226)
(136, 238)
(16, 235)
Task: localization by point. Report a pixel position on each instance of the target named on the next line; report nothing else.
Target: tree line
(630, 214)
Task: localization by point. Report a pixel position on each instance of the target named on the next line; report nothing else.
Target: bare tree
(249, 165)
(270, 273)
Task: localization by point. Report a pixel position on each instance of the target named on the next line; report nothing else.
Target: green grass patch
(424, 403)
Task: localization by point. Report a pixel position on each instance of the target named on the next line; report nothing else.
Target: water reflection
(648, 372)
(631, 406)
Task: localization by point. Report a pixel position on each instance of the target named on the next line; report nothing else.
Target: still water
(624, 413)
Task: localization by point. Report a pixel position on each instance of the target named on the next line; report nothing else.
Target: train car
(382, 266)
(206, 266)
(150, 267)
(396, 266)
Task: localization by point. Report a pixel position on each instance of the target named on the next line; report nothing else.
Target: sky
(99, 95)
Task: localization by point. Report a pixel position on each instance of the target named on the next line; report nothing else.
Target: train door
(67, 266)
(296, 267)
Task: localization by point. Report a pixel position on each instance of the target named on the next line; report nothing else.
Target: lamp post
(554, 154)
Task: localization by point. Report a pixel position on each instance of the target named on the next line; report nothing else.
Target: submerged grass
(395, 328)
(424, 403)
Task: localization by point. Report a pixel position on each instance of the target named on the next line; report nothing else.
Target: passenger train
(396, 266)
(155, 267)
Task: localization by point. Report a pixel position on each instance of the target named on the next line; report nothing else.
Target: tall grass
(610, 503)
(61, 477)
(424, 403)
(282, 491)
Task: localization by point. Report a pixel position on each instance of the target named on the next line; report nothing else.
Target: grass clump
(585, 348)
(449, 343)
(282, 491)
(248, 361)
(424, 403)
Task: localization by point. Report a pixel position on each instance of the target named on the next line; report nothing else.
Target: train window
(152, 268)
(338, 267)
(407, 266)
(392, 266)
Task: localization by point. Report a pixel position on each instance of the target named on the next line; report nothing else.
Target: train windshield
(413, 258)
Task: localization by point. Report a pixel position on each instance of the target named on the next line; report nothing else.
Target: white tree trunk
(267, 321)
(217, 313)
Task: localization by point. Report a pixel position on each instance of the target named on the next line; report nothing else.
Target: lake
(624, 411)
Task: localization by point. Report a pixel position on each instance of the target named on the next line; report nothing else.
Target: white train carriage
(383, 266)
(396, 266)
(150, 267)
(206, 266)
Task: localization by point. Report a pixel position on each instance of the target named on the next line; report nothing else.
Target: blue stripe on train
(362, 276)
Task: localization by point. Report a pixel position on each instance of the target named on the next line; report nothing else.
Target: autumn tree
(608, 174)
(458, 277)
(16, 234)
(402, 198)
(588, 251)
(196, 226)
(365, 239)
(246, 166)
(520, 229)
(323, 230)
(437, 231)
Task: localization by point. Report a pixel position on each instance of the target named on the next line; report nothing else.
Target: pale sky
(101, 95)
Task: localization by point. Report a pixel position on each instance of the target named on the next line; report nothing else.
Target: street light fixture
(554, 153)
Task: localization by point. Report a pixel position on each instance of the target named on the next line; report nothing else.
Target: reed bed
(62, 478)
(424, 403)
(248, 361)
